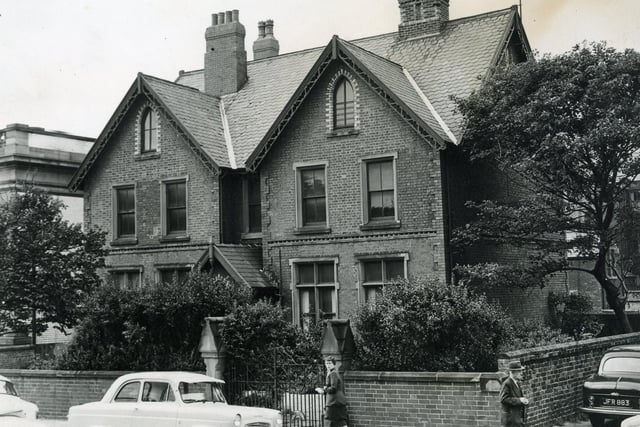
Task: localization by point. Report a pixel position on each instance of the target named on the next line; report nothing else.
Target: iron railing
(288, 387)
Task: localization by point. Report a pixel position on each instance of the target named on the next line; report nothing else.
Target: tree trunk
(33, 327)
(617, 302)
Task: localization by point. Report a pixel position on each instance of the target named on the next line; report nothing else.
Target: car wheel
(596, 420)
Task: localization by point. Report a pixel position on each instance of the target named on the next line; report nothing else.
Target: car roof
(170, 375)
(628, 347)
(5, 379)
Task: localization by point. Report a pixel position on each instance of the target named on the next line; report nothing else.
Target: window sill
(177, 238)
(147, 156)
(381, 225)
(312, 229)
(124, 241)
(342, 132)
(251, 236)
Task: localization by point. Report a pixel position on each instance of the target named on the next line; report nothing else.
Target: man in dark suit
(512, 399)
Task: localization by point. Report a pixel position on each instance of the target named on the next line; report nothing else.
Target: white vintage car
(15, 412)
(168, 399)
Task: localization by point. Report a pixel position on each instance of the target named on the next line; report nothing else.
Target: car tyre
(596, 420)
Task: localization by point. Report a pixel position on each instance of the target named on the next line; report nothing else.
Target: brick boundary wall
(423, 399)
(553, 380)
(56, 391)
(554, 375)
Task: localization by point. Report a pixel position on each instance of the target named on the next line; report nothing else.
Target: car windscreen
(201, 392)
(619, 365)
(7, 388)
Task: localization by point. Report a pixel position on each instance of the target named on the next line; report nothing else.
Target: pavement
(63, 423)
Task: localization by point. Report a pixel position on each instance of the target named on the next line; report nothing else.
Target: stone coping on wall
(448, 377)
(554, 350)
(24, 373)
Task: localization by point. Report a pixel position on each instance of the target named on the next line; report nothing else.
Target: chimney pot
(269, 28)
(214, 19)
(229, 18)
(235, 15)
(266, 46)
(221, 18)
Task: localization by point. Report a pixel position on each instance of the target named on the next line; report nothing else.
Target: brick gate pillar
(337, 341)
(212, 348)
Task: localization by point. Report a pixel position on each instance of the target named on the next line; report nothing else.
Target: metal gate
(288, 387)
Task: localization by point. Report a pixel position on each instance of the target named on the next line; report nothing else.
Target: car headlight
(592, 401)
(279, 419)
(237, 420)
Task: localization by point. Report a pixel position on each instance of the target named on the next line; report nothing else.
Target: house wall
(118, 165)
(476, 181)
(419, 198)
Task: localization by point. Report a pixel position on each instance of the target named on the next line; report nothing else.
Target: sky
(66, 64)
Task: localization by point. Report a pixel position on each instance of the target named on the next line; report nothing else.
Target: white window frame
(298, 167)
(295, 294)
(364, 185)
(146, 110)
(172, 266)
(163, 206)
(114, 213)
(128, 269)
(362, 285)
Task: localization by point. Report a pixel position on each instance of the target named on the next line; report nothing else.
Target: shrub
(531, 333)
(156, 327)
(572, 314)
(423, 325)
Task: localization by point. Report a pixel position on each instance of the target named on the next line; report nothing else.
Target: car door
(157, 406)
(120, 411)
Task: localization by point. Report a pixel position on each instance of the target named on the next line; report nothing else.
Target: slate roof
(198, 112)
(450, 63)
(242, 262)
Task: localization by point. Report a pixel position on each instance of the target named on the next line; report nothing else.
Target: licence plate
(612, 401)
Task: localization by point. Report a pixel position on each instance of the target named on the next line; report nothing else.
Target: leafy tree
(47, 265)
(567, 129)
(422, 325)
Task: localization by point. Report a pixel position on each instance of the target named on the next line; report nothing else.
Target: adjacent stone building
(333, 169)
(47, 160)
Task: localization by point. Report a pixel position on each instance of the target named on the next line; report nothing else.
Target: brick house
(335, 168)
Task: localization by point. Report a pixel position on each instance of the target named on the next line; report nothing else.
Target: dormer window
(343, 105)
(149, 131)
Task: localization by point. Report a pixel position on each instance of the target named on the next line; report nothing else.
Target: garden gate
(274, 382)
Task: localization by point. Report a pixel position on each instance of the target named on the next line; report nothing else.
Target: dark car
(614, 391)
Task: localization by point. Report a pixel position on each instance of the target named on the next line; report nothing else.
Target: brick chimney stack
(422, 17)
(266, 45)
(225, 61)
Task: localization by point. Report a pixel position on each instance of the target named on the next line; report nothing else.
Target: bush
(156, 327)
(572, 314)
(529, 334)
(423, 325)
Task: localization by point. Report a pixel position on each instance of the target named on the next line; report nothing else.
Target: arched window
(149, 131)
(343, 105)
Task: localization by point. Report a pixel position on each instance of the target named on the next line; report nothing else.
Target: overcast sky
(66, 64)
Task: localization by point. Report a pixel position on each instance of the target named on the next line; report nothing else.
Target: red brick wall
(381, 132)
(554, 375)
(431, 399)
(118, 165)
